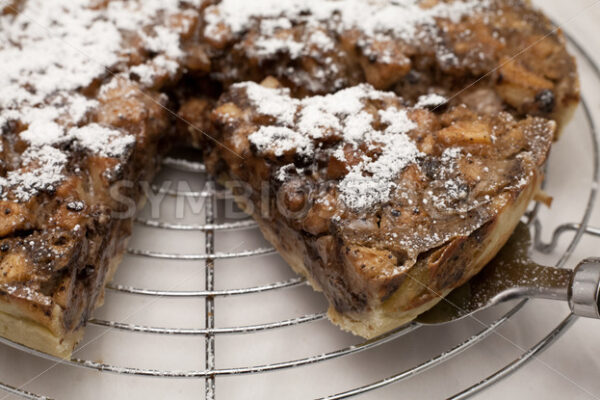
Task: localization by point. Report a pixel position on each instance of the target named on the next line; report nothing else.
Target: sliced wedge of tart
(384, 207)
(82, 122)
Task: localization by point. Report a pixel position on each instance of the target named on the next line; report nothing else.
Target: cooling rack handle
(584, 291)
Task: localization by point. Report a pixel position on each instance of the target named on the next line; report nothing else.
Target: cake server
(512, 275)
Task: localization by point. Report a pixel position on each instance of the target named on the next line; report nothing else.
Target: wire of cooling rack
(209, 227)
(209, 301)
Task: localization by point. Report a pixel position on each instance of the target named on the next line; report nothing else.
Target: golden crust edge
(36, 336)
(18, 323)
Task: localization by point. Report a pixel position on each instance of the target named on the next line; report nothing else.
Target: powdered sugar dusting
(158, 66)
(40, 169)
(402, 18)
(50, 50)
(101, 140)
(280, 139)
(431, 100)
(372, 180)
(301, 123)
(276, 103)
(40, 133)
(26, 292)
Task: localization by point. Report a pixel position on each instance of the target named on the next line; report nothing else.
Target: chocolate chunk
(546, 101)
(431, 167)
(413, 77)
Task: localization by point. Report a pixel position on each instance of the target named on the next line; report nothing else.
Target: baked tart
(399, 142)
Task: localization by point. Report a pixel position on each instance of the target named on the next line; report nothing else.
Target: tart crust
(24, 325)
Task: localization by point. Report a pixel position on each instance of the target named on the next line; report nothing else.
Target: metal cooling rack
(211, 374)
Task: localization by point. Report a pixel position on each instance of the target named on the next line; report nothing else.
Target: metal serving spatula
(512, 274)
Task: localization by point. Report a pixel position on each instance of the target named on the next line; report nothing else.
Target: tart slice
(82, 121)
(383, 207)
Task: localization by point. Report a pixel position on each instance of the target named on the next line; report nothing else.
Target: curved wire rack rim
(208, 331)
(246, 224)
(519, 362)
(431, 362)
(547, 248)
(21, 393)
(201, 256)
(76, 362)
(294, 282)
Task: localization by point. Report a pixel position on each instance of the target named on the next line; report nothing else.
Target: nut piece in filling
(384, 207)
